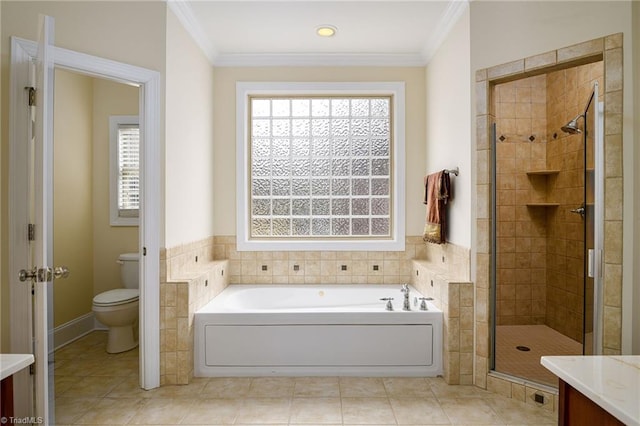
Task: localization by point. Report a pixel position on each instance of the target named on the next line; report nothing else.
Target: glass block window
(321, 167)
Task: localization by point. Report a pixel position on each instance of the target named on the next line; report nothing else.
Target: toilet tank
(129, 272)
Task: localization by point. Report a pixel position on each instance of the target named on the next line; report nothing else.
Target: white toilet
(118, 309)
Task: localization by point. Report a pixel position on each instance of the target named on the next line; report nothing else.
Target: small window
(125, 169)
(320, 168)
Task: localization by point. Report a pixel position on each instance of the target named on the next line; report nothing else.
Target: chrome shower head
(572, 126)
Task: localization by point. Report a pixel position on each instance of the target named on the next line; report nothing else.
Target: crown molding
(449, 17)
(185, 15)
(318, 60)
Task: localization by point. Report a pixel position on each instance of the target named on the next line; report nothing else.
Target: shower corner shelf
(542, 172)
(543, 204)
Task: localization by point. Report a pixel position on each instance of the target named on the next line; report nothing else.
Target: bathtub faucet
(406, 306)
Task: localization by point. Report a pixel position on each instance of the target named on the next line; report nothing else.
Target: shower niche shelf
(546, 173)
(542, 172)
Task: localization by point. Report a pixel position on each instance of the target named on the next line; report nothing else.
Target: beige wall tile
(548, 398)
(482, 339)
(540, 61)
(483, 166)
(613, 242)
(499, 386)
(482, 97)
(505, 70)
(611, 335)
(518, 392)
(613, 41)
(613, 155)
(613, 70)
(481, 370)
(613, 198)
(612, 123)
(581, 50)
(612, 285)
(482, 132)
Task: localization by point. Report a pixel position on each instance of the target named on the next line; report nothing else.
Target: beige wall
(109, 98)
(84, 241)
(225, 135)
(189, 133)
(506, 31)
(86, 27)
(448, 124)
(72, 203)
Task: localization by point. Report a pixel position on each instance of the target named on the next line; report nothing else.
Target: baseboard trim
(73, 330)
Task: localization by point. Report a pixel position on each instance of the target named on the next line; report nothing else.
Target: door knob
(60, 272)
(25, 275)
(42, 275)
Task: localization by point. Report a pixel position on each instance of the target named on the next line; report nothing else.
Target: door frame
(22, 53)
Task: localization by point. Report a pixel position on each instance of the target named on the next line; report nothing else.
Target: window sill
(125, 221)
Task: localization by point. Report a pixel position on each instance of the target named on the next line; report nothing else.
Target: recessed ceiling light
(326, 30)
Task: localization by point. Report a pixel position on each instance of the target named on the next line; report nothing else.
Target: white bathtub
(316, 330)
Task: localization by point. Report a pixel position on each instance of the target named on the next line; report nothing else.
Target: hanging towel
(436, 195)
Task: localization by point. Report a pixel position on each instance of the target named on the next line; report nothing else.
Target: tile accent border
(338, 267)
(609, 49)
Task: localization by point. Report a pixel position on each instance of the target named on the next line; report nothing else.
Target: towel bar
(452, 171)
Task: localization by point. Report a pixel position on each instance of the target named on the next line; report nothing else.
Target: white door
(42, 219)
(34, 207)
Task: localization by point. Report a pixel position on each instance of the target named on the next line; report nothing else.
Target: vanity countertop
(12, 363)
(612, 382)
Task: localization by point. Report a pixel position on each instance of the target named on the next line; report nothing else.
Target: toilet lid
(118, 296)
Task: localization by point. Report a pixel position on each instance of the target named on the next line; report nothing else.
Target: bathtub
(316, 330)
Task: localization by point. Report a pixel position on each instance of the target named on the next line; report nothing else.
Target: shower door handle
(590, 263)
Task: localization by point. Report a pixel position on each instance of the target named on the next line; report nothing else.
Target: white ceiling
(268, 32)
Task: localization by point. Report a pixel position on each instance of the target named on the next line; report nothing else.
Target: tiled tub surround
(455, 299)
(608, 49)
(190, 285)
(186, 269)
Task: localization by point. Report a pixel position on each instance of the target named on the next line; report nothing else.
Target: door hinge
(144, 251)
(32, 95)
(31, 232)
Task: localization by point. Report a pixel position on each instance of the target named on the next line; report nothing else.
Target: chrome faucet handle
(423, 303)
(405, 288)
(389, 306)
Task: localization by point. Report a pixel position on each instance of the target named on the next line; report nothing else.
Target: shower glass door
(593, 197)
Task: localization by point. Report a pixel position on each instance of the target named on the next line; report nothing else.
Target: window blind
(128, 170)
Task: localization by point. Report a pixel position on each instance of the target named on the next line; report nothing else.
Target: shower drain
(523, 348)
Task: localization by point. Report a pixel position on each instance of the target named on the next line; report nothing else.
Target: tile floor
(541, 340)
(93, 387)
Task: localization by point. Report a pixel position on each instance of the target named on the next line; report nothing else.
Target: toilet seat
(119, 296)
